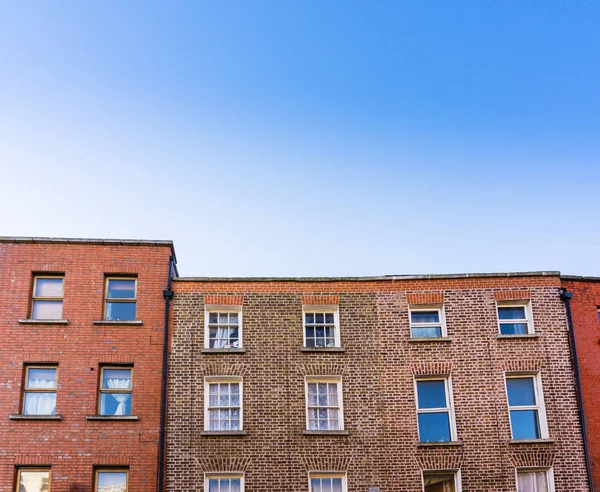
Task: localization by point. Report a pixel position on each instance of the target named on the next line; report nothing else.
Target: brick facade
(584, 307)
(73, 446)
(378, 364)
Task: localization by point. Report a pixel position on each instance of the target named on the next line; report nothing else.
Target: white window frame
(449, 402)
(321, 308)
(219, 475)
(415, 308)
(539, 398)
(549, 476)
(455, 472)
(528, 313)
(328, 474)
(325, 379)
(216, 308)
(222, 379)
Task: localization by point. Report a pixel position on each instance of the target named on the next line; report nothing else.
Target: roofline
(95, 241)
(369, 279)
(581, 278)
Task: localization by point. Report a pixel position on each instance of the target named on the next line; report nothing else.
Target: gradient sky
(290, 137)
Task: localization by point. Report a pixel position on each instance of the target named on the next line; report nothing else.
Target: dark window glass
(434, 427)
(432, 394)
(521, 391)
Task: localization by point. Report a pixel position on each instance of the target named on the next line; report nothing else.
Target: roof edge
(440, 276)
(581, 278)
(94, 241)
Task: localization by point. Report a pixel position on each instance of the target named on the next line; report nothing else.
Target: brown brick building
(436, 383)
(585, 308)
(82, 325)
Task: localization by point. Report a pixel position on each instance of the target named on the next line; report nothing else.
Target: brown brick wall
(377, 369)
(73, 446)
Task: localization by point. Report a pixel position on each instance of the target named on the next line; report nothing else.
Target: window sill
(35, 417)
(224, 433)
(517, 337)
(106, 322)
(115, 418)
(531, 441)
(441, 443)
(43, 322)
(326, 433)
(322, 349)
(430, 340)
(223, 351)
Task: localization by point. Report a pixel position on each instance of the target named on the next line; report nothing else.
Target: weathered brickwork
(584, 308)
(73, 446)
(378, 368)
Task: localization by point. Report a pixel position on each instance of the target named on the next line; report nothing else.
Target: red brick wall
(73, 446)
(378, 369)
(584, 308)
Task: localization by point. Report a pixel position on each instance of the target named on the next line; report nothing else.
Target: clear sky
(312, 137)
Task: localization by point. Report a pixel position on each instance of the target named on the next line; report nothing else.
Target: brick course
(377, 368)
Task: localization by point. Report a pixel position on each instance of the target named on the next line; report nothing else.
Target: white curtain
(235, 485)
(222, 337)
(40, 403)
(119, 383)
(32, 481)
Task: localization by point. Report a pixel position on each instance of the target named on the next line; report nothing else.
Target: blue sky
(308, 137)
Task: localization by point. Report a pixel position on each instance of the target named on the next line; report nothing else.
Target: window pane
(425, 316)
(429, 332)
(116, 379)
(526, 482)
(432, 394)
(39, 403)
(213, 485)
(513, 328)
(41, 378)
(520, 391)
(525, 424)
(121, 311)
(47, 310)
(116, 404)
(121, 289)
(515, 312)
(439, 482)
(434, 427)
(49, 287)
(34, 481)
(112, 482)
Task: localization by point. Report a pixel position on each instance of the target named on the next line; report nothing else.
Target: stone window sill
(518, 337)
(113, 418)
(223, 433)
(326, 433)
(223, 351)
(531, 441)
(43, 322)
(430, 340)
(442, 443)
(106, 322)
(322, 349)
(35, 417)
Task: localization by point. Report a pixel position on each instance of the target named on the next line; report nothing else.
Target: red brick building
(82, 324)
(585, 309)
(435, 383)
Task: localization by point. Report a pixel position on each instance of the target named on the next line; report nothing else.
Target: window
(321, 326)
(324, 404)
(223, 327)
(39, 391)
(441, 481)
(120, 299)
(115, 391)
(525, 405)
(224, 482)
(328, 482)
(434, 410)
(515, 319)
(111, 480)
(427, 322)
(223, 404)
(33, 480)
(47, 298)
(529, 480)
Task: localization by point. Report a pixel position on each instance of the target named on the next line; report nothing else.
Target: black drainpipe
(566, 298)
(168, 295)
